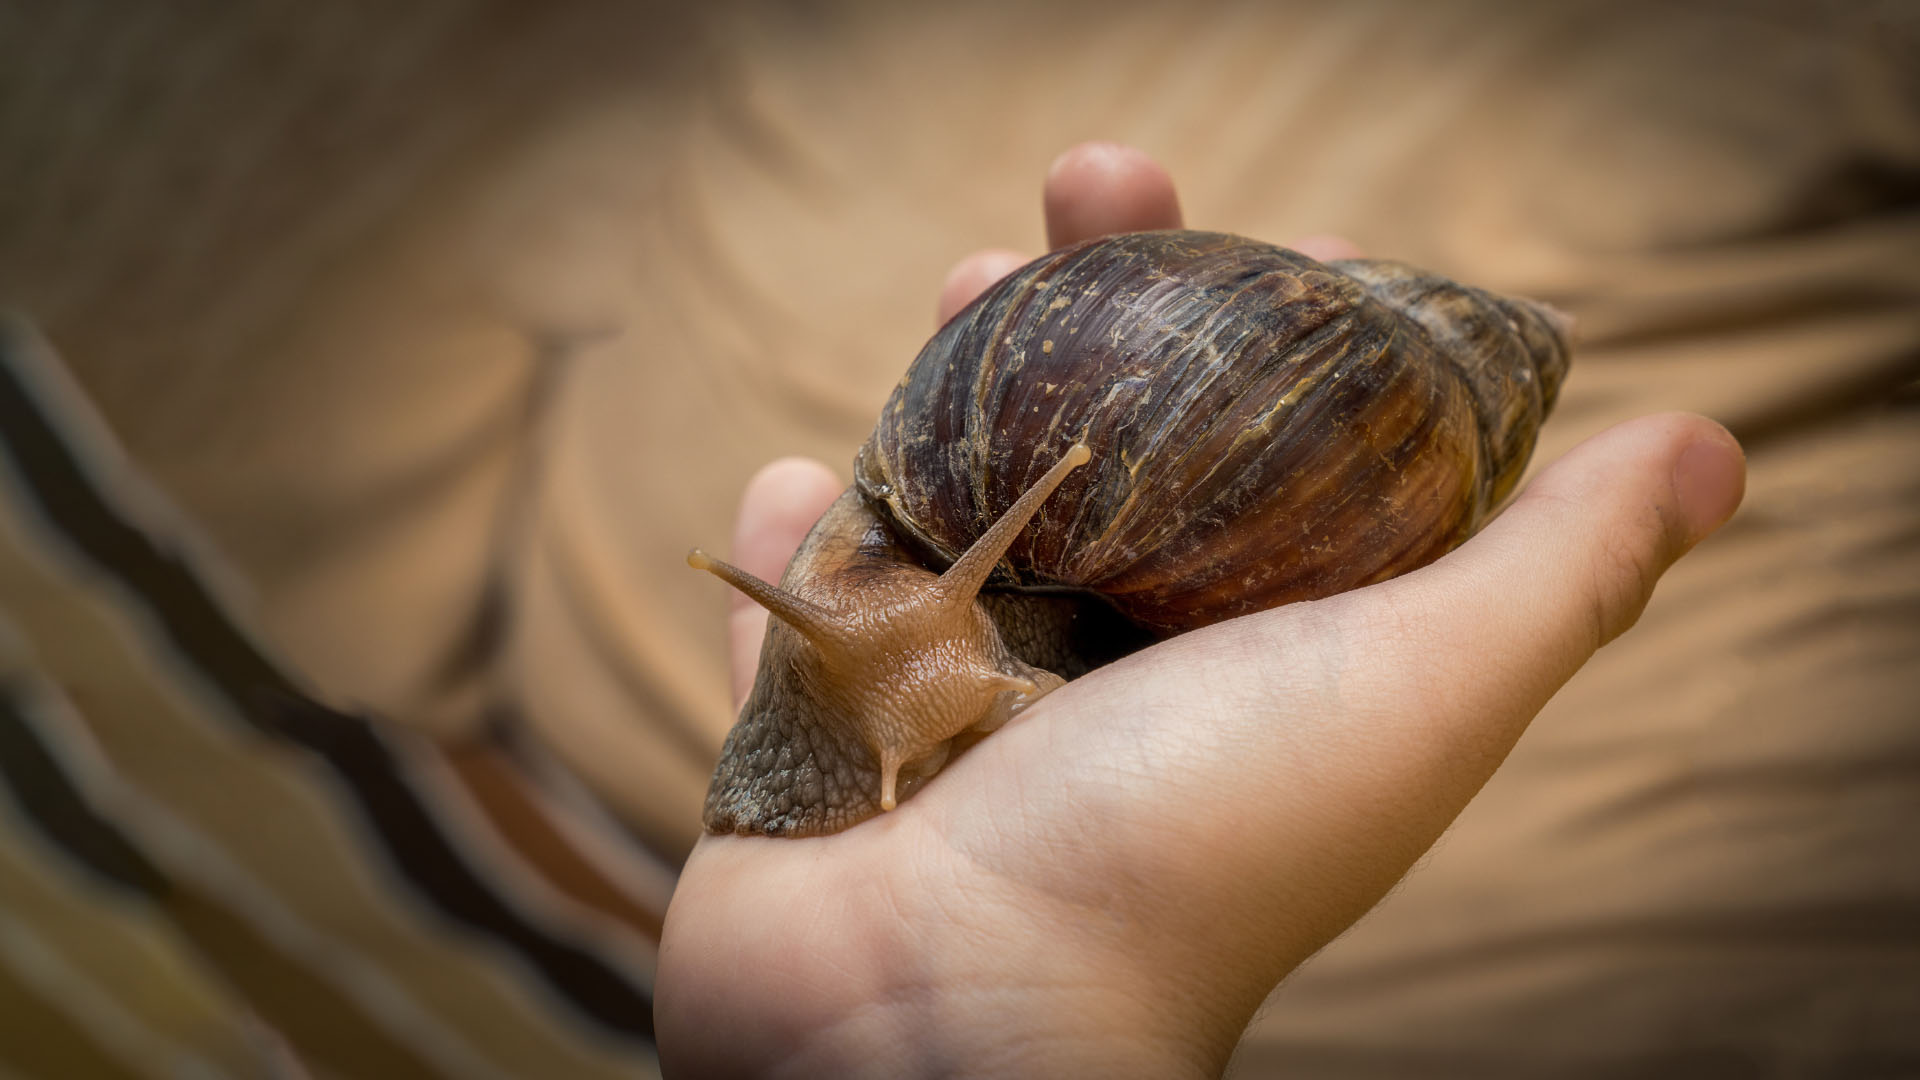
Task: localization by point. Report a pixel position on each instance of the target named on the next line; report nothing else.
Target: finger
(1437, 673)
(1434, 675)
(1511, 615)
(971, 276)
(1098, 188)
(780, 504)
(1327, 247)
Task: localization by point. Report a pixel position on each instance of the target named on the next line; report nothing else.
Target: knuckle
(1626, 566)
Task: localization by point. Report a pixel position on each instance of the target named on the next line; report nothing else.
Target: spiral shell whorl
(1265, 428)
(1512, 352)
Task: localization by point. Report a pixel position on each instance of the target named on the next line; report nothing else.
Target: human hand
(1111, 884)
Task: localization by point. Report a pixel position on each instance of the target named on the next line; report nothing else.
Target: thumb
(1347, 733)
(778, 507)
(1506, 619)
(1326, 745)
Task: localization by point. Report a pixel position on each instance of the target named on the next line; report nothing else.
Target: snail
(1196, 426)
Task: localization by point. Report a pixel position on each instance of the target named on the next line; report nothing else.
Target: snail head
(906, 659)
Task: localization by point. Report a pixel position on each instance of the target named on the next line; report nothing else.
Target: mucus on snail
(1256, 428)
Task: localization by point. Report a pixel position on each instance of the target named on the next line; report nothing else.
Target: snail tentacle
(815, 623)
(962, 581)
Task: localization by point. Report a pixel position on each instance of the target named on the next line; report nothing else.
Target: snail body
(1255, 428)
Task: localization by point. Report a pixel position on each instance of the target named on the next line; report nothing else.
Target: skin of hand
(1111, 884)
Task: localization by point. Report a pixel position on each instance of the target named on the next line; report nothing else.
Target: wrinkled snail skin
(1262, 428)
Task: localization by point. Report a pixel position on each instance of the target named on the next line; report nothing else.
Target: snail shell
(1262, 428)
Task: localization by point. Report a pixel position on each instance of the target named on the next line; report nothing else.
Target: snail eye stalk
(814, 622)
(962, 581)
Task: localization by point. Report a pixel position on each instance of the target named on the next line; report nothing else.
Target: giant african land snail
(1261, 428)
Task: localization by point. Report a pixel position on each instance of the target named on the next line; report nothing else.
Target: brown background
(455, 326)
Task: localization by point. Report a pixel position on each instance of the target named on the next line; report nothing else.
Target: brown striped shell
(1265, 428)
(1123, 440)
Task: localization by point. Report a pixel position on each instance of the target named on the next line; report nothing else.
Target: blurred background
(445, 329)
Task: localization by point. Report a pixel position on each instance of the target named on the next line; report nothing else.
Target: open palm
(1111, 884)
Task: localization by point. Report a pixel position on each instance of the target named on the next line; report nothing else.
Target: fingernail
(1708, 480)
